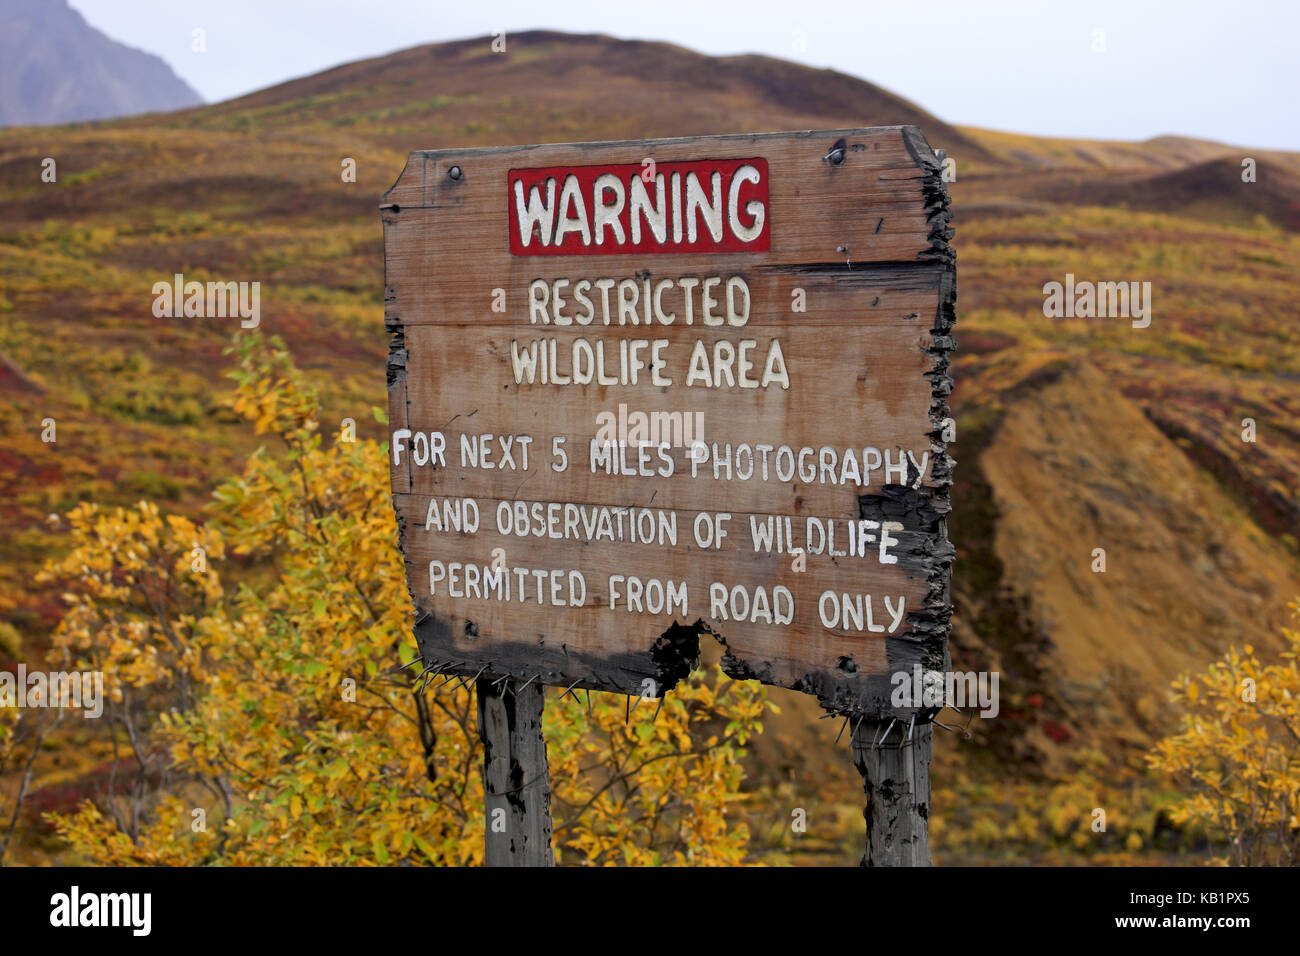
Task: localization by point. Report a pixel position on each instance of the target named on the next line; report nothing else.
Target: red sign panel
(671, 207)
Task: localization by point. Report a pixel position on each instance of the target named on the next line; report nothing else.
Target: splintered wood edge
(927, 551)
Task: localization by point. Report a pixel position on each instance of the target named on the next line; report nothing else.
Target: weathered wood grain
(864, 239)
(861, 388)
(867, 294)
(595, 631)
(516, 775)
(893, 757)
(817, 208)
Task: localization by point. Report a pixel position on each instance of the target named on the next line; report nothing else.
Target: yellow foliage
(276, 708)
(1237, 753)
(652, 791)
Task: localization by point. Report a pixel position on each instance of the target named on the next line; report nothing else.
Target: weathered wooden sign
(641, 389)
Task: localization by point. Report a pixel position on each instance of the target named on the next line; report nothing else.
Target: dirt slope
(1076, 466)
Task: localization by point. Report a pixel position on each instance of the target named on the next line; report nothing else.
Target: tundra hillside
(1128, 434)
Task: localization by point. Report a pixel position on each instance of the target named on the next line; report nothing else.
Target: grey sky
(1214, 70)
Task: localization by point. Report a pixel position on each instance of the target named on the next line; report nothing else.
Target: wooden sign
(644, 389)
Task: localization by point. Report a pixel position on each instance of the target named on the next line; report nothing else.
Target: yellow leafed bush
(259, 716)
(1238, 753)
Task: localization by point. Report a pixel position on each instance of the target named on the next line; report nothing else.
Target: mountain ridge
(56, 68)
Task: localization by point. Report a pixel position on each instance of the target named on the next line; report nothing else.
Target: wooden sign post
(644, 390)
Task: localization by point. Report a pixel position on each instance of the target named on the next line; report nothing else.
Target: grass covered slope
(1073, 434)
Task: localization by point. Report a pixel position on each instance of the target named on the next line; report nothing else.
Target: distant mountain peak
(56, 68)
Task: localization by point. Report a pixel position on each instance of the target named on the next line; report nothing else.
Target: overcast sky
(1129, 69)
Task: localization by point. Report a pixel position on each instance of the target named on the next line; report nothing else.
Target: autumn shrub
(1237, 754)
(258, 711)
